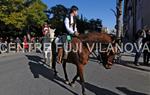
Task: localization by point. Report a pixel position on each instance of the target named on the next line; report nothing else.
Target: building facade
(136, 16)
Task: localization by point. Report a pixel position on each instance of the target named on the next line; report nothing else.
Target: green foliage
(19, 14)
(58, 13)
(35, 13)
(12, 13)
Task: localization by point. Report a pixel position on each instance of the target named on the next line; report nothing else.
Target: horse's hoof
(67, 82)
(78, 78)
(55, 75)
(55, 72)
(72, 85)
(83, 93)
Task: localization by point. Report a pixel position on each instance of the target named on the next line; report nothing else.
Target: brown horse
(81, 57)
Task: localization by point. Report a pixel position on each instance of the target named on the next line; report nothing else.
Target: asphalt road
(24, 74)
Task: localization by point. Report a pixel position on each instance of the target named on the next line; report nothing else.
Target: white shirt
(68, 27)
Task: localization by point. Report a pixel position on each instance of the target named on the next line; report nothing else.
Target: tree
(12, 13)
(36, 17)
(17, 15)
(35, 14)
(58, 13)
(119, 19)
(95, 24)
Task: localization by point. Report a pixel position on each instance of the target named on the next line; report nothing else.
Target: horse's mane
(97, 37)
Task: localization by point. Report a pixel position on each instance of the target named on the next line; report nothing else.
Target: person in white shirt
(70, 28)
(70, 21)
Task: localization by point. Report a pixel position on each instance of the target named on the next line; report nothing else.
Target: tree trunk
(119, 18)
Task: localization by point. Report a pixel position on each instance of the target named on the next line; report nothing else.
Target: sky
(91, 9)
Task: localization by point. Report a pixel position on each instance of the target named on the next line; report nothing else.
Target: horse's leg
(54, 54)
(75, 78)
(50, 62)
(80, 68)
(65, 72)
(54, 65)
(45, 56)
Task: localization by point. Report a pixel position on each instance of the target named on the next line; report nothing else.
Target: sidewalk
(15, 53)
(9, 54)
(127, 59)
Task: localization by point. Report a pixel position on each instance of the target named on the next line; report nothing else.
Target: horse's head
(108, 58)
(51, 33)
(52, 30)
(103, 38)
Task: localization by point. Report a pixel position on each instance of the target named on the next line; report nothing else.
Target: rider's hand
(76, 33)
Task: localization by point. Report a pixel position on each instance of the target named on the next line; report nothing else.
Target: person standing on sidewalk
(18, 44)
(146, 54)
(25, 44)
(139, 38)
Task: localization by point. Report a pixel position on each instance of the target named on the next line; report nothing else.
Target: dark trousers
(137, 56)
(146, 57)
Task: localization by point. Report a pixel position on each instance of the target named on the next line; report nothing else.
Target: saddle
(67, 41)
(65, 38)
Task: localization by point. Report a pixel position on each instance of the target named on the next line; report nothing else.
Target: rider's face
(75, 13)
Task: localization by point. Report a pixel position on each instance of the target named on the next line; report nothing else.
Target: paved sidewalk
(7, 54)
(10, 54)
(127, 59)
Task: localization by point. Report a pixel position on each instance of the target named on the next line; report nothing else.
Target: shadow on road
(94, 59)
(98, 90)
(41, 70)
(129, 92)
(35, 58)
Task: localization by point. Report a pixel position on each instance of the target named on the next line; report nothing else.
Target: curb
(9, 54)
(127, 60)
(135, 67)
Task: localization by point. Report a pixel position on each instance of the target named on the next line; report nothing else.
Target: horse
(80, 58)
(50, 36)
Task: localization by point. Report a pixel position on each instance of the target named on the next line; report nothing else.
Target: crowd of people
(19, 42)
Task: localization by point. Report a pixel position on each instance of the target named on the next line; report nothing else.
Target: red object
(26, 44)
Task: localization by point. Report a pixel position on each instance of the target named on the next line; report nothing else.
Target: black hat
(73, 8)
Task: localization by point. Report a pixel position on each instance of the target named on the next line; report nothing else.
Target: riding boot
(65, 55)
(60, 55)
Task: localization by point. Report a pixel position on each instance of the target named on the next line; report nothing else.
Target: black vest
(62, 28)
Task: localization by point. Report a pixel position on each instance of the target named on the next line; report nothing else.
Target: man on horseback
(70, 28)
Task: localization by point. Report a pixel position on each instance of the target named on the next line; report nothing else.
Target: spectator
(25, 44)
(18, 42)
(33, 42)
(0, 43)
(139, 37)
(146, 54)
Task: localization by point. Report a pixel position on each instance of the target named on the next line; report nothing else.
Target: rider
(70, 28)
